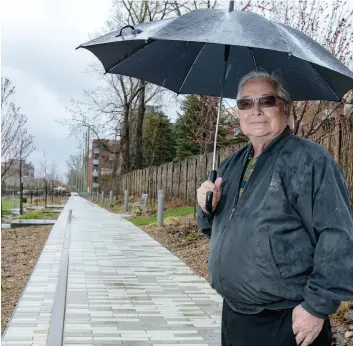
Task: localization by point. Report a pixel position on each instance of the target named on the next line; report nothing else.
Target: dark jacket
(289, 238)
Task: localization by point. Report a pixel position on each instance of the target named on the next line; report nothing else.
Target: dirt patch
(180, 236)
(20, 250)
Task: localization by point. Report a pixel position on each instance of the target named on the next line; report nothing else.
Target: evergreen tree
(184, 145)
(196, 125)
(157, 140)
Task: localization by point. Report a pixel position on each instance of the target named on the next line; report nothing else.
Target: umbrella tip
(78, 47)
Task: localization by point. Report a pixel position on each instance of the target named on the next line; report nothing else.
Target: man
(281, 251)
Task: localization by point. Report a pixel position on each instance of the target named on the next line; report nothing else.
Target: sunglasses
(264, 102)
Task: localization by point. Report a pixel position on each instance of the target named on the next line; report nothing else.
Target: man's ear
(288, 109)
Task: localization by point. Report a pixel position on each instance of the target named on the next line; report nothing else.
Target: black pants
(268, 328)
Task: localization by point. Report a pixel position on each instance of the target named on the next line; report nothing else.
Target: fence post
(102, 197)
(160, 208)
(126, 201)
(111, 197)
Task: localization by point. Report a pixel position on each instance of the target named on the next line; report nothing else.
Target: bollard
(111, 197)
(126, 201)
(160, 208)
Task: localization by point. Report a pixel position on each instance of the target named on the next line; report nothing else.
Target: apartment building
(12, 177)
(100, 166)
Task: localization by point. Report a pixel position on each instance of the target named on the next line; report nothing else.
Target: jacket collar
(286, 133)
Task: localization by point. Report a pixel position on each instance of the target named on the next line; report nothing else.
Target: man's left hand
(306, 327)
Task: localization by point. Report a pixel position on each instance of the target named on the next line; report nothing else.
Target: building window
(105, 171)
(104, 147)
(95, 180)
(96, 156)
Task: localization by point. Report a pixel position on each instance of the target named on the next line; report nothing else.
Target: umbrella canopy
(186, 55)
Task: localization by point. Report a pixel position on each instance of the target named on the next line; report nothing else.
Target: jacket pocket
(292, 252)
(271, 257)
(265, 259)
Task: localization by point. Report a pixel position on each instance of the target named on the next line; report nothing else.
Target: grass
(7, 204)
(37, 215)
(175, 212)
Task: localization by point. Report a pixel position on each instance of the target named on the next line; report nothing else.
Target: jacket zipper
(230, 218)
(219, 252)
(224, 230)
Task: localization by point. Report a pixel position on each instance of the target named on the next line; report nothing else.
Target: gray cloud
(39, 57)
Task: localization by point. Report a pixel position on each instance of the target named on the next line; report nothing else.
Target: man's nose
(256, 110)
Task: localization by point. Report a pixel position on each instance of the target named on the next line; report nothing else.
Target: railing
(56, 328)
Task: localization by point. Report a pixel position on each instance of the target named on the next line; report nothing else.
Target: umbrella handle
(133, 30)
(209, 194)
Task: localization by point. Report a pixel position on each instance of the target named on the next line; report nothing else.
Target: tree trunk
(125, 140)
(46, 194)
(115, 164)
(21, 189)
(139, 125)
(337, 133)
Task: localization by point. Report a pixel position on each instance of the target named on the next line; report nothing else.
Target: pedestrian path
(123, 287)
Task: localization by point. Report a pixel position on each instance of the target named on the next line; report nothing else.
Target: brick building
(100, 165)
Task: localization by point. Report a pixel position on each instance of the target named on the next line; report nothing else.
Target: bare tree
(108, 113)
(45, 176)
(15, 141)
(26, 148)
(136, 13)
(75, 172)
(330, 24)
(52, 178)
(117, 109)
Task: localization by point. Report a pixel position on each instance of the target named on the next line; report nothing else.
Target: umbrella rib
(136, 51)
(187, 75)
(253, 57)
(319, 74)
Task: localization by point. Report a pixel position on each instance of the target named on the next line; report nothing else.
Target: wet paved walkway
(123, 288)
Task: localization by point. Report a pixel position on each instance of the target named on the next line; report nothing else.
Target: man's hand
(306, 327)
(208, 186)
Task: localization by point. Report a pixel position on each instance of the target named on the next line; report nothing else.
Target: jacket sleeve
(205, 220)
(331, 280)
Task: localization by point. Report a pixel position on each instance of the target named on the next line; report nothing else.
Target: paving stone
(123, 288)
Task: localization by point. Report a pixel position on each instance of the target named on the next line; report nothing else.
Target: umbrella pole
(213, 174)
(216, 133)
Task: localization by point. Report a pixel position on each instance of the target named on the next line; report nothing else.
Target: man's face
(260, 121)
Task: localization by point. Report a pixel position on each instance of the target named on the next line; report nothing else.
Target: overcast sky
(38, 41)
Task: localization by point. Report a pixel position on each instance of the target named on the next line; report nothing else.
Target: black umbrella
(208, 51)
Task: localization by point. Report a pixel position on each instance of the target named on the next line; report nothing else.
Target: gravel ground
(20, 250)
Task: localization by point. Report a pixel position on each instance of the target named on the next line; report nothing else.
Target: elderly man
(281, 251)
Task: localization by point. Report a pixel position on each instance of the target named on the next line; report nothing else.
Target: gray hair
(281, 89)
